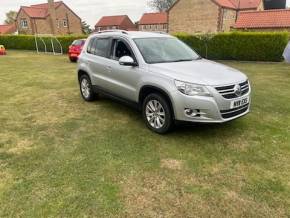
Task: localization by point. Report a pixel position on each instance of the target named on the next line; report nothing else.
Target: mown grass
(62, 157)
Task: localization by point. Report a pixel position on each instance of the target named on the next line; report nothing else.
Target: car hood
(201, 71)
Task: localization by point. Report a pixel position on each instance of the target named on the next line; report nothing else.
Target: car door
(124, 78)
(98, 61)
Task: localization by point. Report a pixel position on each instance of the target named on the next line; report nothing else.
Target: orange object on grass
(2, 50)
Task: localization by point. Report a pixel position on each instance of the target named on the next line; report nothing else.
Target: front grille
(228, 92)
(226, 114)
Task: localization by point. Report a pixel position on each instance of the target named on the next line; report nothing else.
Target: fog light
(192, 112)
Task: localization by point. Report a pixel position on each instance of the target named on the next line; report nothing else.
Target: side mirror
(127, 61)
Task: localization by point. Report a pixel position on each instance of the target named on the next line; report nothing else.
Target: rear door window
(99, 47)
(102, 47)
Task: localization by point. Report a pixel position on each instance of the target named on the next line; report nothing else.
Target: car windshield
(165, 50)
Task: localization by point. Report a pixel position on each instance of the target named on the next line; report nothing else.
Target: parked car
(163, 77)
(75, 49)
(2, 50)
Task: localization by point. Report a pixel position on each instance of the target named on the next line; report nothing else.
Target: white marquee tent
(286, 53)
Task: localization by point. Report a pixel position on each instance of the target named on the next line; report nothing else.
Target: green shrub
(243, 46)
(27, 42)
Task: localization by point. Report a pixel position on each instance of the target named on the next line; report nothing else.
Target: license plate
(73, 55)
(240, 103)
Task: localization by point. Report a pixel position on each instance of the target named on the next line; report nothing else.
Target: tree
(86, 28)
(205, 38)
(10, 17)
(161, 5)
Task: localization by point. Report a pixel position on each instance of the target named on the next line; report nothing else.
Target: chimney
(52, 13)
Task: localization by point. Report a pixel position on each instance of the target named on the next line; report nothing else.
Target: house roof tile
(111, 20)
(39, 10)
(35, 12)
(9, 28)
(263, 19)
(154, 18)
(239, 4)
(234, 4)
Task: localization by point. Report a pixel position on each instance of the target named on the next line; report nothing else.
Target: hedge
(243, 46)
(27, 42)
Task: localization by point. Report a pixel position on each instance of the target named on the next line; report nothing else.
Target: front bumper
(215, 109)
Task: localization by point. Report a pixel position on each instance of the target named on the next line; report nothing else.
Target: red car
(2, 50)
(75, 49)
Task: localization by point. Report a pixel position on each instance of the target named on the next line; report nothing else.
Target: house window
(24, 23)
(65, 23)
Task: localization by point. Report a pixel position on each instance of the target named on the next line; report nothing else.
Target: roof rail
(162, 32)
(113, 30)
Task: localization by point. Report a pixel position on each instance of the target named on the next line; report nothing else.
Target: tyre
(73, 60)
(157, 114)
(86, 88)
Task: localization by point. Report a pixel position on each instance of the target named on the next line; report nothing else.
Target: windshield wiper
(181, 60)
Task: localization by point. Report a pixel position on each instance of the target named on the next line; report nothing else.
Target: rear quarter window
(90, 46)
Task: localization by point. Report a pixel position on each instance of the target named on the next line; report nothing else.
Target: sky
(89, 10)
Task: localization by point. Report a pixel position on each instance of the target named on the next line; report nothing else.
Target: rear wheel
(73, 60)
(157, 114)
(86, 88)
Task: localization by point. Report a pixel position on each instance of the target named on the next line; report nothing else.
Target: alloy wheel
(85, 87)
(155, 114)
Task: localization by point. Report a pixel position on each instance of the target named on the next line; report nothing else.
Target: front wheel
(157, 113)
(86, 88)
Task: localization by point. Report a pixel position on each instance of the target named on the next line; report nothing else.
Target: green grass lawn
(63, 157)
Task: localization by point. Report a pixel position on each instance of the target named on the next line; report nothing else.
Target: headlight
(192, 89)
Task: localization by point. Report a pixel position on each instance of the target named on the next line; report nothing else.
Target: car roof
(133, 34)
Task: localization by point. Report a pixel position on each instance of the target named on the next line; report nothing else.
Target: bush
(243, 46)
(27, 42)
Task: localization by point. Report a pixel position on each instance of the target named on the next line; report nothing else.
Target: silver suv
(163, 77)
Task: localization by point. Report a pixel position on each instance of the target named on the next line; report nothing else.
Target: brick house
(154, 22)
(270, 20)
(49, 18)
(208, 16)
(122, 22)
(7, 29)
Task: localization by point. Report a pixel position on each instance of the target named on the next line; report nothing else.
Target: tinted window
(101, 47)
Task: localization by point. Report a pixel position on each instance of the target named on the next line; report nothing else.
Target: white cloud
(89, 10)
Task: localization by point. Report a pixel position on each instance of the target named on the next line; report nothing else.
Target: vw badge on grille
(238, 90)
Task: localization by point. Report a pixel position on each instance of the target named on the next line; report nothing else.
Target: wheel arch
(81, 73)
(149, 89)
